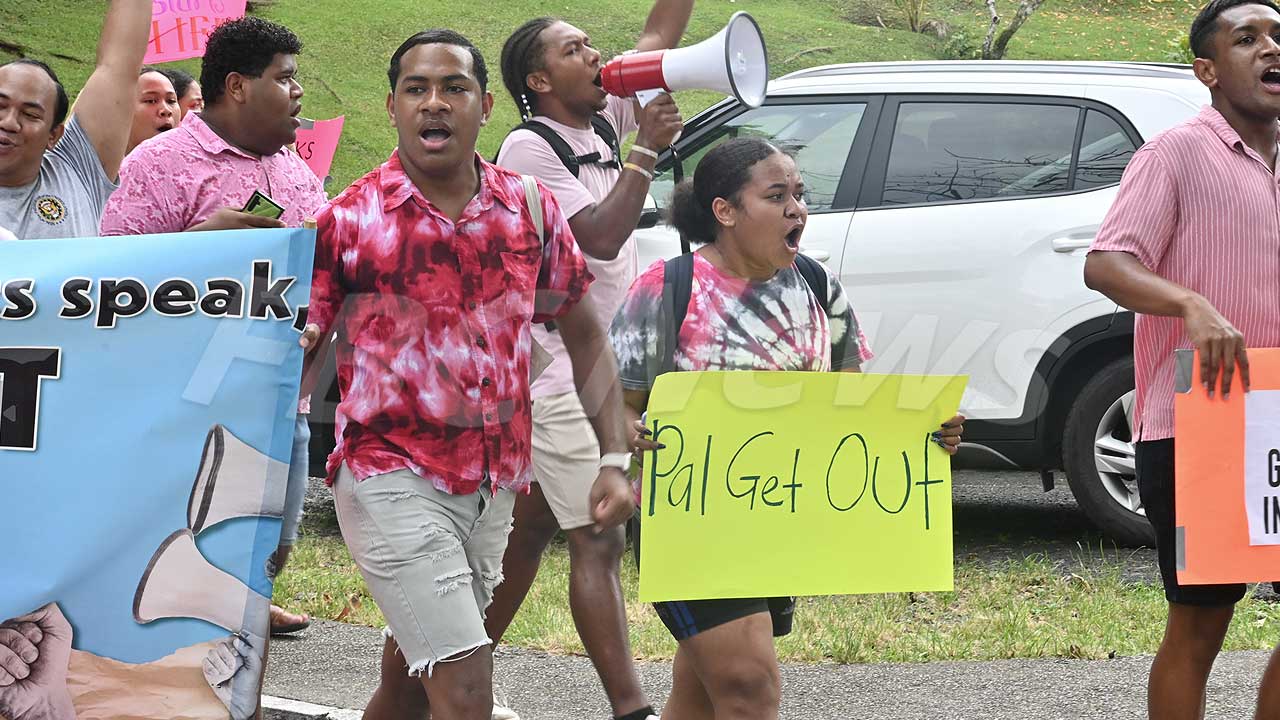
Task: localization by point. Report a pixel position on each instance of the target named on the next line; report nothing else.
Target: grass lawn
(1027, 609)
(344, 63)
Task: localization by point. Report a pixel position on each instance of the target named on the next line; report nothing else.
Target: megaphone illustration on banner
(733, 62)
(180, 583)
(234, 480)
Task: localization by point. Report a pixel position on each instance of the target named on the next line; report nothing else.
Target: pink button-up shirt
(180, 177)
(1200, 208)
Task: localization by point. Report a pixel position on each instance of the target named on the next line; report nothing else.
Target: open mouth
(792, 238)
(599, 80)
(1271, 79)
(435, 137)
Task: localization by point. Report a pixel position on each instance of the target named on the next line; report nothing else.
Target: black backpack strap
(816, 276)
(605, 130)
(558, 145)
(677, 286)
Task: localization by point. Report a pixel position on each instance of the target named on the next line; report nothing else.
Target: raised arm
(104, 107)
(666, 24)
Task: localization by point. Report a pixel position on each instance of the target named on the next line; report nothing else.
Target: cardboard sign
(318, 142)
(790, 483)
(1227, 484)
(180, 28)
(148, 387)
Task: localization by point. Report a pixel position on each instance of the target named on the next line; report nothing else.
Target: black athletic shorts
(1155, 486)
(686, 618)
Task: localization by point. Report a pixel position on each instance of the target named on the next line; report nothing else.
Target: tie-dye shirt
(433, 322)
(736, 324)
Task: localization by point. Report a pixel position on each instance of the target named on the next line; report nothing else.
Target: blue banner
(148, 392)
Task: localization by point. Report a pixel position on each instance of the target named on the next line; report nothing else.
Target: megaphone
(733, 62)
(180, 583)
(234, 480)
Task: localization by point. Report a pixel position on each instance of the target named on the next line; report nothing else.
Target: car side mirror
(649, 215)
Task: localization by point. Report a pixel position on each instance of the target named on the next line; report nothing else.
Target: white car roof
(986, 76)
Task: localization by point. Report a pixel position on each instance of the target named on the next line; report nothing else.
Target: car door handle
(1070, 244)
(819, 255)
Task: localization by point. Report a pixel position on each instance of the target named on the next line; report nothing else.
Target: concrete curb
(278, 708)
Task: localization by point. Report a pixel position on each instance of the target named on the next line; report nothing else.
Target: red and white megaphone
(733, 62)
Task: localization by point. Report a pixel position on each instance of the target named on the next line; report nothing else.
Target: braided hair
(521, 55)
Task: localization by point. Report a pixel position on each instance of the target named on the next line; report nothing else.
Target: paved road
(998, 517)
(333, 664)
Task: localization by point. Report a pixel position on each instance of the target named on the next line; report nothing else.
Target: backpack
(573, 163)
(677, 285)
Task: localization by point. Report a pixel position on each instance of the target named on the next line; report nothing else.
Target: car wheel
(1098, 452)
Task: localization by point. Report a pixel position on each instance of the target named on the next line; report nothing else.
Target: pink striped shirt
(1200, 208)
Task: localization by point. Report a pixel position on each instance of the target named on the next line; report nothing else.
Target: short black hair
(181, 80)
(1206, 23)
(246, 46)
(63, 104)
(442, 37)
(522, 54)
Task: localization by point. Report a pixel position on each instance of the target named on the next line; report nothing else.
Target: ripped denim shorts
(431, 559)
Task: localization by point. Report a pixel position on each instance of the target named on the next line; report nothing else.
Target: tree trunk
(995, 49)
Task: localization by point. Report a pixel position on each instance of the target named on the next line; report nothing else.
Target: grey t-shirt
(67, 199)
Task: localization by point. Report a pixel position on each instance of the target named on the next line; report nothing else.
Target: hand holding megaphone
(733, 62)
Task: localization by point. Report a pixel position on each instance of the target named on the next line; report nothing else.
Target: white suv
(957, 200)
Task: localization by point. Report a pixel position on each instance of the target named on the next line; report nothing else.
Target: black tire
(1098, 395)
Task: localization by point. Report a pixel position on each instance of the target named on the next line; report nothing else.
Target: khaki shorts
(566, 458)
(431, 559)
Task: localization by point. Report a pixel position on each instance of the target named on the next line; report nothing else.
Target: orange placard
(1212, 470)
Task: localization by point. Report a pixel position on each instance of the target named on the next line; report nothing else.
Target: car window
(1105, 150)
(944, 152)
(819, 136)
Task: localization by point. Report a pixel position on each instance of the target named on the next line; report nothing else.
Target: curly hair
(1206, 23)
(246, 46)
(522, 54)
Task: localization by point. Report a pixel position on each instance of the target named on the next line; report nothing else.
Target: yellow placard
(791, 483)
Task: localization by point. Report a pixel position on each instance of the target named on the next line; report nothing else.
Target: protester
(552, 72)
(190, 98)
(156, 108)
(56, 174)
(754, 305)
(1192, 244)
(435, 258)
(199, 176)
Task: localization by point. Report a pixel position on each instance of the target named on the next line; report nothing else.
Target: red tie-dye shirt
(433, 323)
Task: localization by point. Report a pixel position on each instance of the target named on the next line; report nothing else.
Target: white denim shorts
(566, 458)
(431, 559)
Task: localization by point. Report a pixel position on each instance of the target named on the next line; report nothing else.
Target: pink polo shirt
(180, 177)
(1199, 208)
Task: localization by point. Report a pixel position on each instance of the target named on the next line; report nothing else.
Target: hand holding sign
(790, 483)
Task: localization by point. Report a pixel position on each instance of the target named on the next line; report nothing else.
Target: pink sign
(180, 28)
(317, 143)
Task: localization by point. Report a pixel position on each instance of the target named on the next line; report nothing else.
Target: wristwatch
(621, 460)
